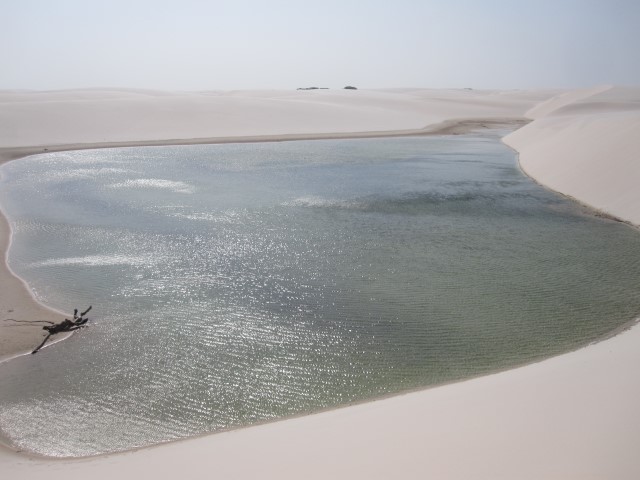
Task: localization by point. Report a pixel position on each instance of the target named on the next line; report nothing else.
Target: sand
(572, 416)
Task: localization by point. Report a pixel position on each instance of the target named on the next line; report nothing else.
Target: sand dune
(588, 148)
(570, 417)
(563, 99)
(53, 118)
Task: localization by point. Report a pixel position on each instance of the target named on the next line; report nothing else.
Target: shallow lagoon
(235, 284)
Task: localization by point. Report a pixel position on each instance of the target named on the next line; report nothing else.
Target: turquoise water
(235, 284)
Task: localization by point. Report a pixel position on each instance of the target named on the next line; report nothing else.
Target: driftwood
(66, 325)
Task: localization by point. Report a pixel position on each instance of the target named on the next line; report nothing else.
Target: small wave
(82, 173)
(227, 217)
(94, 261)
(321, 202)
(159, 183)
(231, 216)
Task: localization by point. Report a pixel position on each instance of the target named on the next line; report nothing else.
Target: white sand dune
(570, 417)
(587, 147)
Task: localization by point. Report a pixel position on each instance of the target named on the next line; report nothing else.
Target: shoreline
(24, 305)
(568, 416)
(596, 212)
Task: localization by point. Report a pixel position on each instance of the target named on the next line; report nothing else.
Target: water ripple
(252, 282)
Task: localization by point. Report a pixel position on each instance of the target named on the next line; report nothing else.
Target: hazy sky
(211, 45)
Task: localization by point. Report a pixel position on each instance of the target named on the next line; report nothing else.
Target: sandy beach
(572, 416)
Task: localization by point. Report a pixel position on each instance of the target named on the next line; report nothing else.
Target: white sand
(573, 416)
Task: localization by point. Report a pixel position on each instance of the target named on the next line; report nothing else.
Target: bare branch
(66, 325)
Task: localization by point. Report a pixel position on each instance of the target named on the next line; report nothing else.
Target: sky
(285, 44)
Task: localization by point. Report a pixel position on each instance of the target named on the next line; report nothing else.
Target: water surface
(235, 284)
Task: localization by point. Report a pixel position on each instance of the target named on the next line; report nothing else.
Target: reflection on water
(234, 284)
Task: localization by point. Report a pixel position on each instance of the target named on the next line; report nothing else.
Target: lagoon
(235, 284)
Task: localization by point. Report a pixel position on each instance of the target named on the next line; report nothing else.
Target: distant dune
(89, 116)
